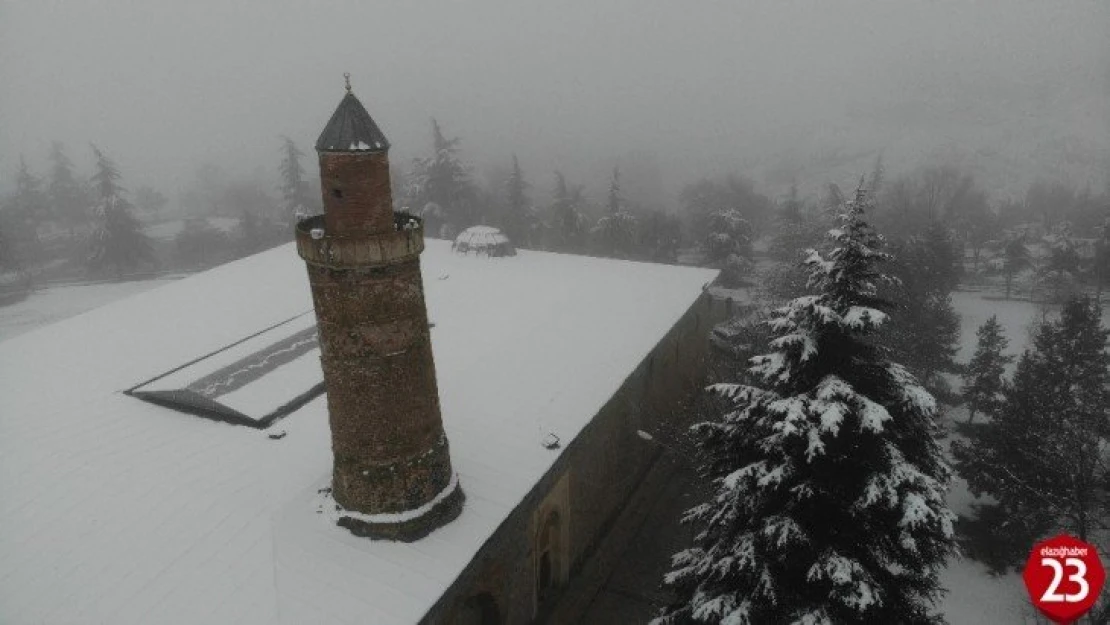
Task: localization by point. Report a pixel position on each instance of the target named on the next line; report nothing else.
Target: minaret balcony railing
(337, 251)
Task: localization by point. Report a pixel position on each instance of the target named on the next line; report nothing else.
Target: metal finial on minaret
(347, 79)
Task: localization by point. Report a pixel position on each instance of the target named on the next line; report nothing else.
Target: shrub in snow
(829, 484)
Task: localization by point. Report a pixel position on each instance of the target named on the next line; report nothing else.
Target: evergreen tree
(700, 199)
(294, 189)
(981, 227)
(440, 188)
(616, 231)
(614, 202)
(1015, 257)
(983, 378)
(29, 203)
(729, 234)
(925, 335)
(794, 231)
(829, 480)
(9, 256)
(117, 239)
(729, 246)
(22, 211)
(568, 222)
(1042, 456)
(518, 219)
(1059, 275)
(878, 175)
(67, 196)
(1101, 261)
(657, 236)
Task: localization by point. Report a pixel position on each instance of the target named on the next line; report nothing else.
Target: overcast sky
(696, 87)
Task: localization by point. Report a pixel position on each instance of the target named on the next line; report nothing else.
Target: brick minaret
(392, 472)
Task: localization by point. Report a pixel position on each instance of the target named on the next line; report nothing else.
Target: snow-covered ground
(48, 305)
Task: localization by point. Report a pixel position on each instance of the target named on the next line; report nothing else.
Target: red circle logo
(1064, 577)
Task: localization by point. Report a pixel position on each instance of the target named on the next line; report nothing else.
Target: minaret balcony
(340, 251)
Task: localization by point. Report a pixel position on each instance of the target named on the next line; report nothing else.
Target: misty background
(805, 92)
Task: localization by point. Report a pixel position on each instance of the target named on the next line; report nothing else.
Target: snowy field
(51, 304)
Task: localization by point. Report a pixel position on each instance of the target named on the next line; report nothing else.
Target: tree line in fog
(58, 221)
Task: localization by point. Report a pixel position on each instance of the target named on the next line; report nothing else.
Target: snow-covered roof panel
(253, 381)
(116, 510)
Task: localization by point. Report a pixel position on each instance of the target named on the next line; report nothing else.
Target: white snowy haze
(778, 91)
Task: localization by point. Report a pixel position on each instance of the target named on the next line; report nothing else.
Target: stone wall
(588, 487)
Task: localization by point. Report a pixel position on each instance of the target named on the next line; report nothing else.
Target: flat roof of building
(117, 510)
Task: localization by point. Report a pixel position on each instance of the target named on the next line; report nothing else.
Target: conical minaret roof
(351, 129)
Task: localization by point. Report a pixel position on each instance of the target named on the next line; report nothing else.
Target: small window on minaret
(336, 193)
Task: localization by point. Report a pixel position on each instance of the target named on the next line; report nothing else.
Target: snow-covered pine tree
(1015, 258)
(729, 246)
(1100, 263)
(829, 502)
(925, 334)
(67, 197)
(615, 233)
(1042, 456)
(729, 234)
(983, 379)
(9, 258)
(567, 221)
(117, 239)
(294, 188)
(518, 218)
(22, 212)
(794, 230)
(29, 203)
(1059, 276)
(614, 201)
(440, 188)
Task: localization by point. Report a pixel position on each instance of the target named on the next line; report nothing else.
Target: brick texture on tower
(392, 474)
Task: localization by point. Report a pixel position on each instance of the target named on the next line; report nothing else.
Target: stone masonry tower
(392, 473)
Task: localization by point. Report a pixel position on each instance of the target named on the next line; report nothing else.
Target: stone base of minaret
(407, 526)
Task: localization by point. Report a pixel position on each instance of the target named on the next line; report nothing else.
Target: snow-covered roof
(120, 511)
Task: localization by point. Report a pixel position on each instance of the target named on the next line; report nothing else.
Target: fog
(779, 91)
